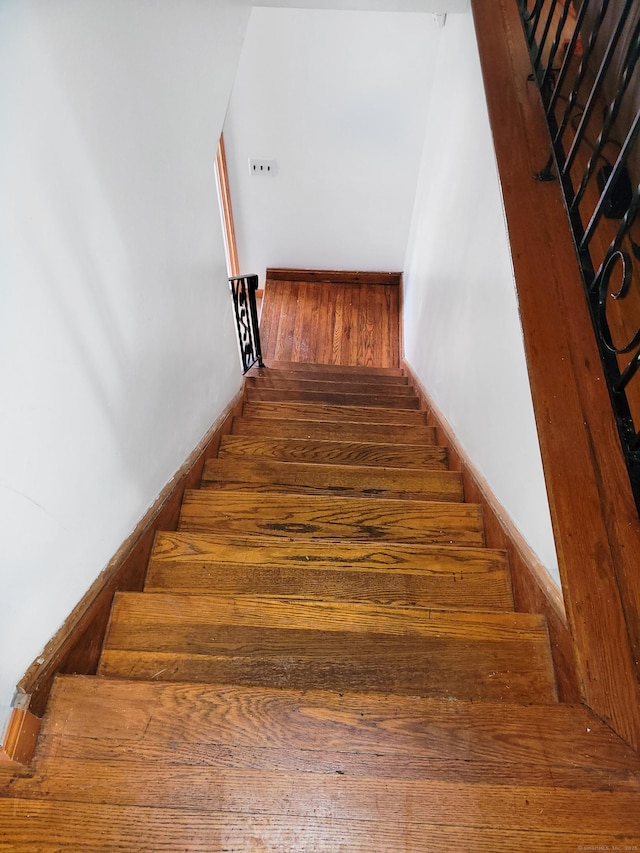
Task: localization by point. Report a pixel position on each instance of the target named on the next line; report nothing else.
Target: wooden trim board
(533, 589)
(334, 276)
(76, 647)
(21, 737)
(227, 211)
(595, 521)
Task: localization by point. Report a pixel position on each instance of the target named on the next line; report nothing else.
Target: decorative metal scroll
(585, 56)
(243, 289)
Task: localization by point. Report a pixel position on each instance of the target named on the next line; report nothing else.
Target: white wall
(117, 341)
(462, 329)
(339, 100)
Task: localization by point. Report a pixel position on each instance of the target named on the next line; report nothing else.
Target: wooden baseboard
(20, 738)
(334, 276)
(76, 646)
(533, 589)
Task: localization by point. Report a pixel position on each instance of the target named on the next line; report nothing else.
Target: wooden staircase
(325, 657)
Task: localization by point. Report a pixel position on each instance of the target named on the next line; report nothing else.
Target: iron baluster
(633, 54)
(623, 229)
(618, 169)
(243, 289)
(546, 174)
(622, 43)
(597, 86)
(547, 77)
(566, 64)
(543, 40)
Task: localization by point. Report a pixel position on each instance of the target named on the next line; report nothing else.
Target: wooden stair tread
(48, 826)
(338, 369)
(329, 645)
(330, 452)
(334, 386)
(112, 718)
(294, 372)
(333, 430)
(430, 575)
(318, 517)
(273, 476)
(310, 410)
(382, 400)
(325, 796)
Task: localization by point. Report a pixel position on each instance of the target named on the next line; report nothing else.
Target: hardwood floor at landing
(331, 323)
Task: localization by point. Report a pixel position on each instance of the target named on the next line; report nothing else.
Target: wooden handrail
(596, 526)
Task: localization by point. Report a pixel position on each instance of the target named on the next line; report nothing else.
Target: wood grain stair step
(328, 375)
(333, 452)
(363, 481)
(50, 827)
(347, 797)
(334, 430)
(396, 588)
(329, 645)
(470, 578)
(310, 411)
(291, 383)
(336, 369)
(382, 400)
(374, 734)
(321, 517)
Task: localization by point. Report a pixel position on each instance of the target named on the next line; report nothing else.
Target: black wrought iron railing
(243, 289)
(585, 56)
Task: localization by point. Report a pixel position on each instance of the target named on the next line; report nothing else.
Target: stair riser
(309, 411)
(334, 431)
(384, 401)
(329, 518)
(334, 453)
(386, 589)
(375, 663)
(373, 388)
(352, 380)
(265, 476)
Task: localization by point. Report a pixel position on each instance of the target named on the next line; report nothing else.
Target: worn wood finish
(294, 383)
(347, 323)
(334, 430)
(353, 378)
(269, 690)
(283, 643)
(114, 718)
(321, 517)
(431, 587)
(334, 276)
(430, 574)
(335, 452)
(76, 646)
(138, 617)
(312, 410)
(46, 826)
(263, 475)
(384, 400)
(380, 663)
(593, 512)
(325, 795)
